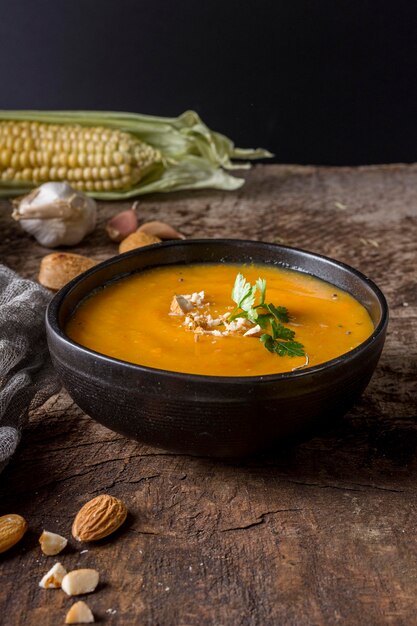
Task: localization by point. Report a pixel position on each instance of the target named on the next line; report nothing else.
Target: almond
(51, 543)
(137, 240)
(58, 268)
(79, 613)
(12, 529)
(98, 518)
(161, 230)
(80, 581)
(53, 579)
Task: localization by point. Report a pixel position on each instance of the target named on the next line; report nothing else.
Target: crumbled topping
(237, 325)
(184, 303)
(196, 298)
(201, 322)
(255, 331)
(180, 306)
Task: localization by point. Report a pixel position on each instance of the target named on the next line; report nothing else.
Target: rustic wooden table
(322, 534)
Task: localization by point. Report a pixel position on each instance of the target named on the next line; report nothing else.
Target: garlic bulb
(56, 214)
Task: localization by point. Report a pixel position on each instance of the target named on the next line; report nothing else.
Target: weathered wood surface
(321, 534)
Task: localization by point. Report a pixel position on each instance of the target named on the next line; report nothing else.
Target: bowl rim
(54, 305)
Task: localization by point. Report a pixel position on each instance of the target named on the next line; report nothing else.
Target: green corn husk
(193, 156)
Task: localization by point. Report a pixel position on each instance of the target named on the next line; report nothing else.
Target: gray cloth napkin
(27, 378)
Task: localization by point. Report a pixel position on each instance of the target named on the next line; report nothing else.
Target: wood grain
(321, 534)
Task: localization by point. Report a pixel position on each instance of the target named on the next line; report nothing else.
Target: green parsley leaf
(281, 332)
(288, 348)
(279, 312)
(252, 315)
(263, 320)
(261, 285)
(268, 342)
(243, 293)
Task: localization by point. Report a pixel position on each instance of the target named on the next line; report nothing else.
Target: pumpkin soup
(221, 320)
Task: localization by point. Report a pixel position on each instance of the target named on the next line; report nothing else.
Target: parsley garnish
(269, 317)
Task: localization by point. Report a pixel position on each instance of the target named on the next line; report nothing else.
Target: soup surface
(131, 320)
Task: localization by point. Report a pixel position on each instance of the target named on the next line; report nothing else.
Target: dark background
(324, 81)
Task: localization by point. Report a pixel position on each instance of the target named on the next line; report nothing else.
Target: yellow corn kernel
(72, 160)
(27, 173)
(8, 174)
(47, 157)
(125, 169)
(28, 143)
(83, 159)
(117, 158)
(44, 172)
(23, 159)
(5, 157)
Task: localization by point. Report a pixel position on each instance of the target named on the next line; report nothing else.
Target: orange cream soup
(130, 320)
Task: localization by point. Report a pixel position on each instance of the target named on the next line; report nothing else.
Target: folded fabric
(27, 378)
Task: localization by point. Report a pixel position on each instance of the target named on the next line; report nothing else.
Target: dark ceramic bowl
(210, 415)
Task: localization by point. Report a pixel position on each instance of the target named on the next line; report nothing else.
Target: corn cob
(89, 158)
(115, 156)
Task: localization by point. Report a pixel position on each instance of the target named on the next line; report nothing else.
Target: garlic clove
(122, 225)
(161, 230)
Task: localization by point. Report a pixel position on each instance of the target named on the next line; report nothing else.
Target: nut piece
(79, 613)
(160, 229)
(12, 529)
(58, 268)
(51, 543)
(80, 581)
(98, 518)
(180, 306)
(53, 578)
(255, 331)
(137, 240)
